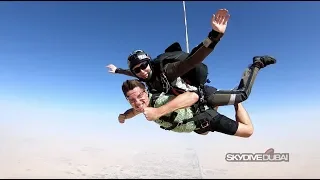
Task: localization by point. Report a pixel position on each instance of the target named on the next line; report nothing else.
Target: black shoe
(263, 61)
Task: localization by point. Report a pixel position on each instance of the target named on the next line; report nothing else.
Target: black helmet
(137, 57)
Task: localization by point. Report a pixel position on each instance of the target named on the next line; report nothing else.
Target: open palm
(219, 21)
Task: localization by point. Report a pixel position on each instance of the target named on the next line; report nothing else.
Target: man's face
(138, 99)
(142, 70)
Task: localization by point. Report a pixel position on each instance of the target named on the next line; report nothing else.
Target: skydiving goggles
(142, 66)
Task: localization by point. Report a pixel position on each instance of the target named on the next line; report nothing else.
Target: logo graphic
(143, 56)
(268, 156)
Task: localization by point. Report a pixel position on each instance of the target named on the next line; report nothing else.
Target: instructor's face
(142, 70)
(138, 99)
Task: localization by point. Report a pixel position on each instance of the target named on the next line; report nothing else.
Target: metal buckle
(204, 124)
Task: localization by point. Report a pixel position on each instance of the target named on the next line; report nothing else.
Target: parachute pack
(195, 77)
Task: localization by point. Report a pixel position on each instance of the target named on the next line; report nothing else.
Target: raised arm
(199, 53)
(113, 69)
(130, 113)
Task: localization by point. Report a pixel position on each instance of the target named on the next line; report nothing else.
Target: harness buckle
(179, 124)
(204, 124)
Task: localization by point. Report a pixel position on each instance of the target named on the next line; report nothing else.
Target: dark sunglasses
(143, 66)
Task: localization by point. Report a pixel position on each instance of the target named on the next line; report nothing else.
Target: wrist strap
(212, 39)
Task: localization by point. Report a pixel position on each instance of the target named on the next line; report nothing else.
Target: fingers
(221, 17)
(145, 113)
(147, 117)
(111, 68)
(226, 19)
(213, 19)
(121, 118)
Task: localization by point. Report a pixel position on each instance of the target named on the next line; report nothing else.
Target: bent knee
(241, 98)
(248, 133)
(244, 131)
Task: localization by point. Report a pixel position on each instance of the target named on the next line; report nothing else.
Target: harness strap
(170, 120)
(153, 99)
(165, 83)
(201, 120)
(201, 102)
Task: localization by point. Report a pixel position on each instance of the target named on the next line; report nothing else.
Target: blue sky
(53, 56)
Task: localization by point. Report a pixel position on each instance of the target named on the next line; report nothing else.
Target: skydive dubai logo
(268, 156)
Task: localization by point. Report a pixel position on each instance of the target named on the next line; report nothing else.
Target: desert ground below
(30, 154)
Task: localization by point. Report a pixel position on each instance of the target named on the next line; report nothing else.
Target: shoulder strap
(153, 99)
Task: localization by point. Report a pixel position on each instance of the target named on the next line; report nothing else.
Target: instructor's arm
(113, 69)
(184, 100)
(198, 54)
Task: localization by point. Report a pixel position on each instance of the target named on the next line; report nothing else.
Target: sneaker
(264, 61)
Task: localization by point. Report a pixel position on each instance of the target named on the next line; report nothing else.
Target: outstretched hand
(112, 68)
(219, 21)
(121, 118)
